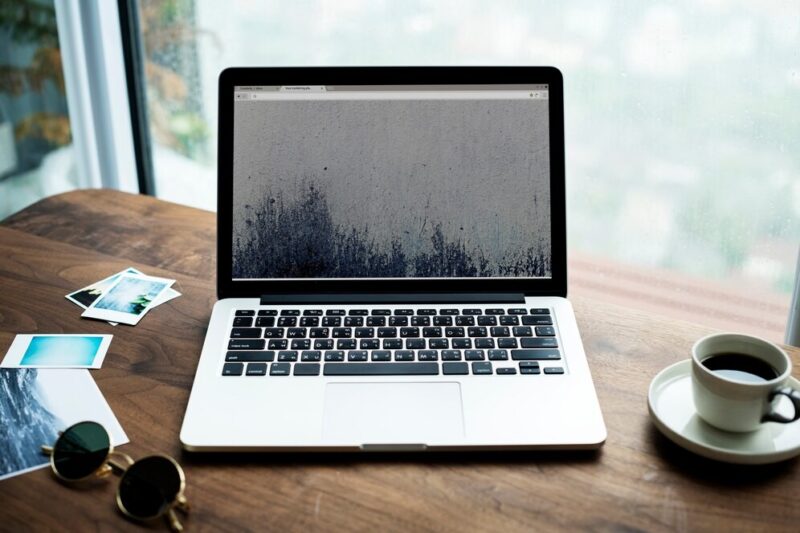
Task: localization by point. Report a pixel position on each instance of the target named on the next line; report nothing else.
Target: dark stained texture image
(391, 188)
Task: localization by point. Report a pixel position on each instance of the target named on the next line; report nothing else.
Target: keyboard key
(509, 320)
(381, 355)
(438, 344)
(398, 321)
(358, 312)
(474, 355)
(505, 342)
(357, 355)
(369, 344)
(465, 321)
(290, 312)
(287, 356)
(518, 311)
(381, 312)
(535, 355)
(477, 331)
(318, 333)
(311, 356)
(346, 344)
(487, 320)
(404, 312)
(245, 312)
(251, 356)
(339, 333)
(426, 312)
(309, 321)
(312, 312)
(306, 369)
(420, 321)
(428, 355)
(540, 311)
(323, 344)
(431, 332)
(461, 343)
(381, 369)
(246, 344)
(498, 355)
(265, 321)
(539, 342)
(500, 331)
(455, 368)
(332, 321)
(279, 369)
(243, 322)
(387, 332)
(353, 321)
(232, 369)
(470, 311)
(454, 332)
(392, 344)
(274, 333)
(404, 355)
(415, 344)
(246, 333)
(287, 321)
(376, 321)
(334, 312)
(484, 343)
(452, 312)
(553, 370)
(451, 355)
(278, 344)
(529, 367)
(296, 333)
(409, 332)
(537, 320)
(301, 344)
(334, 355)
(365, 332)
(442, 321)
(256, 369)
(482, 368)
(268, 312)
(495, 311)
(545, 331)
(506, 371)
(522, 331)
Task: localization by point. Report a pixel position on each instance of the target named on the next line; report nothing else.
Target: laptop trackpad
(393, 413)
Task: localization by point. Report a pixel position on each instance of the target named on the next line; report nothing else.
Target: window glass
(36, 155)
(682, 150)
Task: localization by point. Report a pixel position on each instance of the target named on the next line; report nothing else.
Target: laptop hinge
(392, 298)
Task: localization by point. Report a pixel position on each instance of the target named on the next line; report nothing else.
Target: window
(683, 161)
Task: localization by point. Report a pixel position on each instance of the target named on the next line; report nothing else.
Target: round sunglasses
(150, 488)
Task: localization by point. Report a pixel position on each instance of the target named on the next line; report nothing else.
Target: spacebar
(381, 369)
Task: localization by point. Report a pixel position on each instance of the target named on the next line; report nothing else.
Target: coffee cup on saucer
(735, 379)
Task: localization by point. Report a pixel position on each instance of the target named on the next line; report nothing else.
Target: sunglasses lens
(81, 450)
(149, 487)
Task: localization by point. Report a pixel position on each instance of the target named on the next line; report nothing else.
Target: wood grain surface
(637, 481)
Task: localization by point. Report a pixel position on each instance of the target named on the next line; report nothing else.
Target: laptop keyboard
(393, 342)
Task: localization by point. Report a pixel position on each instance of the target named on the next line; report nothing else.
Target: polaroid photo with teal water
(57, 351)
(128, 299)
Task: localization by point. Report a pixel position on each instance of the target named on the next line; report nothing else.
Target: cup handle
(794, 396)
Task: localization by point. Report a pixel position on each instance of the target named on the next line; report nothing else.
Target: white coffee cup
(734, 404)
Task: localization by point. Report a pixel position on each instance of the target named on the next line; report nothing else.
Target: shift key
(535, 355)
(246, 344)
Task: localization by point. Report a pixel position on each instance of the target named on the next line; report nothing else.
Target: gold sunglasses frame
(110, 465)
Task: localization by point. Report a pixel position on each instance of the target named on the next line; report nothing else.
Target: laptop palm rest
(378, 414)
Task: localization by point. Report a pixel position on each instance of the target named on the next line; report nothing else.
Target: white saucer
(672, 410)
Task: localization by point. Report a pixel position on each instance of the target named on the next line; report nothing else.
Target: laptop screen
(440, 181)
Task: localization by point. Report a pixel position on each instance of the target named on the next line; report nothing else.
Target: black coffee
(740, 367)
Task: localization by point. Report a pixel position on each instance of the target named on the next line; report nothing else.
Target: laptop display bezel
(227, 287)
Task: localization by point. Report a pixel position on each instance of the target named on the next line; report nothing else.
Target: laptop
(391, 266)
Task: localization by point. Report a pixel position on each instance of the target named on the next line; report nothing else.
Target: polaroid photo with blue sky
(128, 299)
(57, 351)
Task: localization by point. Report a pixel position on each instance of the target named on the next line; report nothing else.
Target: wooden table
(638, 481)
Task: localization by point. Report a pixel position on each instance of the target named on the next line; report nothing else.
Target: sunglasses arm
(47, 450)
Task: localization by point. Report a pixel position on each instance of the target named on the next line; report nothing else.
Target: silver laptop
(392, 266)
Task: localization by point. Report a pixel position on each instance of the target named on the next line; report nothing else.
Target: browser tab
(302, 89)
